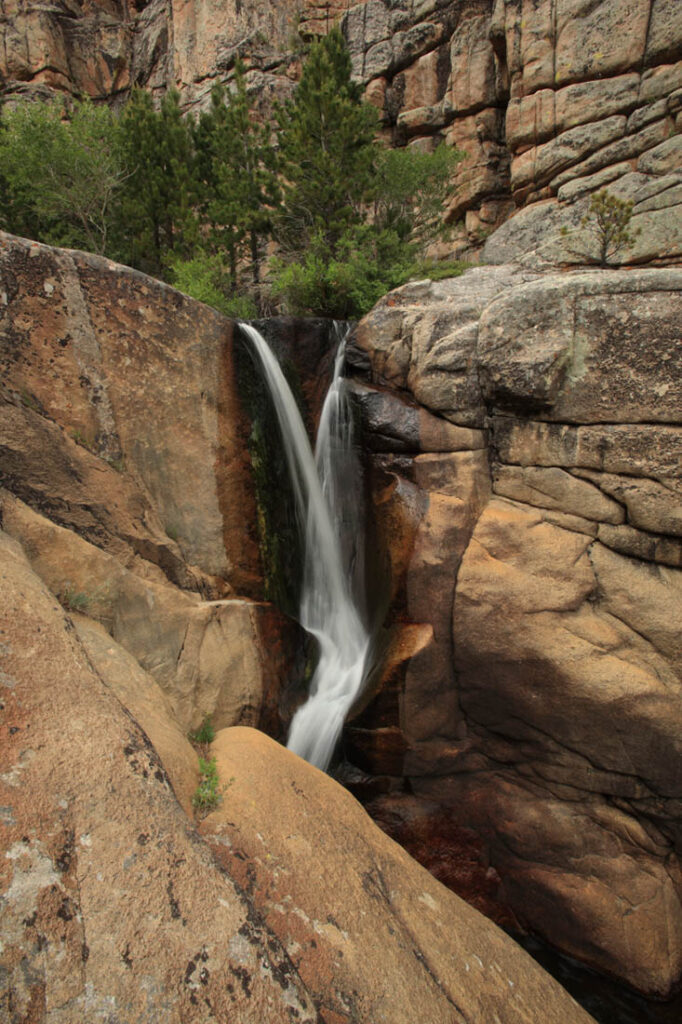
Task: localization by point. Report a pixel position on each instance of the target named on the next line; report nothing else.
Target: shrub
(208, 793)
(204, 735)
(206, 277)
(606, 227)
(73, 601)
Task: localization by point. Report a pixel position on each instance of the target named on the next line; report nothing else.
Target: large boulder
(297, 909)
(375, 937)
(112, 905)
(143, 378)
(556, 745)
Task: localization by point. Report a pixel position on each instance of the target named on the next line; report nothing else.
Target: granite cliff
(522, 429)
(532, 689)
(547, 100)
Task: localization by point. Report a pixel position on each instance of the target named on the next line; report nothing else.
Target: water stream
(328, 511)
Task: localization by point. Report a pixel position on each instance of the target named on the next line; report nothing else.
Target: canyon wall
(116, 908)
(530, 711)
(548, 101)
(125, 473)
(130, 582)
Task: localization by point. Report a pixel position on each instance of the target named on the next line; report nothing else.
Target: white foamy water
(329, 509)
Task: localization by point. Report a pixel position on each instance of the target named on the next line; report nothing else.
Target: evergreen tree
(327, 152)
(355, 216)
(237, 172)
(157, 214)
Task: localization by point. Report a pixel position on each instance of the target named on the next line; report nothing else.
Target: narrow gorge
(498, 627)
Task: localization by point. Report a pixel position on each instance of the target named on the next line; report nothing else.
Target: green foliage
(157, 215)
(197, 203)
(61, 176)
(346, 280)
(237, 179)
(206, 277)
(410, 189)
(354, 216)
(209, 793)
(79, 437)
(439, 270)
(326, 151)
(73, 600)
(204, 735)
(29, 401)
(608, 220)
(605, 229)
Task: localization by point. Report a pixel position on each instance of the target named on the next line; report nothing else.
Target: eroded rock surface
(126, 476)
(114, 906)
(559, 685)
(374, 935)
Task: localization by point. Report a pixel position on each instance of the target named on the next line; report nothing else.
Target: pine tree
(237, 172)
(326, 151)
(157, 208)
(354, 216)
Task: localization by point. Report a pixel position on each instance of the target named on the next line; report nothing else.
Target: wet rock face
(547, 718)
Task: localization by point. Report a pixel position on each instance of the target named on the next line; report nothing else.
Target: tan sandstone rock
(211, 658)
(357, 939)
(141, 373)
(113, 904)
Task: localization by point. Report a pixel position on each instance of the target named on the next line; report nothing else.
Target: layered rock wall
(539, 571)
(547, 101)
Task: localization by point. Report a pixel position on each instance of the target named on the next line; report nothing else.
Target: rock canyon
(521, 434)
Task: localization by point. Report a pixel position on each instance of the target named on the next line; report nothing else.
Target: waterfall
(329, 513)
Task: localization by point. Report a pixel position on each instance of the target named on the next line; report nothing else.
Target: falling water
(324, 502)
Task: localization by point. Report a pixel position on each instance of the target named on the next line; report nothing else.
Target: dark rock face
(533, 689)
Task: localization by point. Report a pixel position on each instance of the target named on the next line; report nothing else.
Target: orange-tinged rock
(375, 937)
(111, 902)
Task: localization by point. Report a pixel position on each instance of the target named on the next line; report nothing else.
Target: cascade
(328, 512)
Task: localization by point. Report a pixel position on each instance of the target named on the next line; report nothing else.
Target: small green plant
(172, 532)
(204, 735)
(73, 600)
(438, 270)
(79, 437)
(209, 793)
(606, 227)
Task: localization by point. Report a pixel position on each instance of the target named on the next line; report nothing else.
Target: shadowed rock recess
(289, 904)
